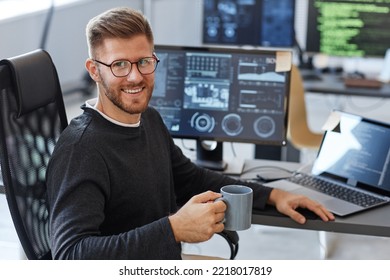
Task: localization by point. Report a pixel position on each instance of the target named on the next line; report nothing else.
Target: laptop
(353, 163)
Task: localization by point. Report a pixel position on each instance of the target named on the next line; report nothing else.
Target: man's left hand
(287, 203)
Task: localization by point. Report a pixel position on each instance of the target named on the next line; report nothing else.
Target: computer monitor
(349, 28)
(223, 94)
(266, 23)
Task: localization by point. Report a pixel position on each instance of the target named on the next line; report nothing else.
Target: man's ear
(92, 69)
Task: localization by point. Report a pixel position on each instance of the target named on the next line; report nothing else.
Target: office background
(179, 22)
(175, 22)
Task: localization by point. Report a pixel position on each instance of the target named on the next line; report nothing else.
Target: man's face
(123, 98)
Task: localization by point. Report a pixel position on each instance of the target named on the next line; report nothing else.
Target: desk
(374, 222)
(334, 84)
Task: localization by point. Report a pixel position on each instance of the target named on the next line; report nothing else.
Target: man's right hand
(198, 219)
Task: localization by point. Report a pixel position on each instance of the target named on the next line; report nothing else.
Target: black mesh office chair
(32, 116)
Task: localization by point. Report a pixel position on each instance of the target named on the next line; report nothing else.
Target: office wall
(173, 22)
(67, 41)
(177, 22)
(66, 38)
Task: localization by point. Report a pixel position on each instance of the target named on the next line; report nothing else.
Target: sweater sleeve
(191, 180)
(74, 187)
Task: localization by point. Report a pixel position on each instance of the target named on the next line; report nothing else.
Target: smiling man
(118, 186)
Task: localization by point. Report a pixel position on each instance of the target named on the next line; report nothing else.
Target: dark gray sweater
(111, 189)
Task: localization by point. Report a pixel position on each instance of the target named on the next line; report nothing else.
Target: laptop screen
(357, 151)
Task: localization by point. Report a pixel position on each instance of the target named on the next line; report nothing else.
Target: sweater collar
(91, 103)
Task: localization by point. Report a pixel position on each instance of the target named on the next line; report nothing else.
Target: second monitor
(266, 23)
(349, 28)
(223, 94)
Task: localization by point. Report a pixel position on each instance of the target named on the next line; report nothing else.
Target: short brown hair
(120, 22)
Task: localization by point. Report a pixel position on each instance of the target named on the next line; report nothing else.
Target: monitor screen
(223, 94)
(357, 150)
(348, 28)
(266, 23)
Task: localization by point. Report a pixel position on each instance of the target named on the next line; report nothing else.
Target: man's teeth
(132, 90)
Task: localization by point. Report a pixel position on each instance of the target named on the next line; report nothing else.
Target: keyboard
(334, 190)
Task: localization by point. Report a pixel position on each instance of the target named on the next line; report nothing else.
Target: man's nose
(134, 74)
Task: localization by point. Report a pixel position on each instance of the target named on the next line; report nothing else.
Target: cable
(269, 177)
(233, 150)
(46, 27)
(185, 147)
(371, 107)
(269, 167)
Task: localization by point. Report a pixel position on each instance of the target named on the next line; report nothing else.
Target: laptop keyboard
(334, 190)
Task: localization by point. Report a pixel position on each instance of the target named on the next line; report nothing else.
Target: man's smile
(132, 91)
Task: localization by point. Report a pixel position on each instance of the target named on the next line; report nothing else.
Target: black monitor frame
(224, 95)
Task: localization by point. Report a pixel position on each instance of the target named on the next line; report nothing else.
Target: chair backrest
(299, 132)
(32, 116)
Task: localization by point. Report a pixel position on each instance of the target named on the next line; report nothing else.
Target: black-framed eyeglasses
(122, 67)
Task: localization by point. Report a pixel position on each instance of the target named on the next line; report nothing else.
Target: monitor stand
(209, 154)
(305, 60)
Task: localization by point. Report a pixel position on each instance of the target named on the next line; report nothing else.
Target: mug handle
(230, 236)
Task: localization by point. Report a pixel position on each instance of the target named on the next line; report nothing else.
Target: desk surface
(371, 222)
(334, 84)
